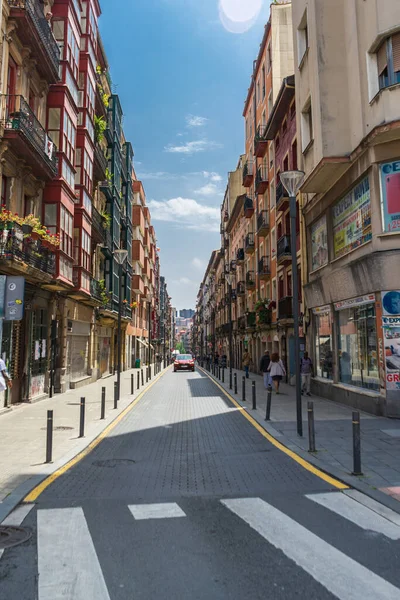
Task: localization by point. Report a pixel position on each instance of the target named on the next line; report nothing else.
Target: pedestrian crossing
(71, 567)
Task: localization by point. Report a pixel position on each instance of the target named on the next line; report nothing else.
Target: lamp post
(149, 339)
(120, 257)
(291, 181)
(228, 278)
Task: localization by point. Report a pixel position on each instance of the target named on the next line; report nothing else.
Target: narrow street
(185, 498)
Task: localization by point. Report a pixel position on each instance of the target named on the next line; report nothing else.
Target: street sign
(14, 299)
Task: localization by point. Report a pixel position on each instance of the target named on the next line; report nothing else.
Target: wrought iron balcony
(35, 32)
(97, 290)
(285, 308)
(282, 197)
(249, 243)
(260, 141)
(261, 180)
(25, 255)
(264, 268)
(248, 207)
(263, 223)
(250, 280)
(248, 172)
(283, 249)
(28, 138)
(265, 317)
(240, 256)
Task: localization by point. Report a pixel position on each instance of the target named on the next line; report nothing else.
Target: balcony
(28, 138)
(282, 198)
(240, 256)
(35, 33)
(250, 280)
(233, 265)
(285, 308)
(263, 223)
(248, 173)
(248, 207)
(98, 291)
(249, 243)
(242, 323)
(98, 223)
(283, 253)
(250, 320)
(100, 163)
(138, 284)
(265, 317)
(264, 268)
(261, 180)
(260, 141)
(240, 288)
(24, 256)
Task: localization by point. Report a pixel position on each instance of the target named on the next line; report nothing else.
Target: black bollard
(141, 370)
(115, 395)
(147, 374)
(356, 444)
(138, 380)
(132, 384)
(244, 389)
(269, 398)
(235, 382)
(49, 437)
(311, 428)
(103, 403)
(230, 378)
(253, 390)
(82, 419)
(223, 374)
(150, 372)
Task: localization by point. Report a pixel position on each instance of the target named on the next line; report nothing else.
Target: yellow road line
(301, 461)
(39, 489)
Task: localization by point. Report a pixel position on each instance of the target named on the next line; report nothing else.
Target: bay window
(66, 229)
(69, 138)
(388, 59)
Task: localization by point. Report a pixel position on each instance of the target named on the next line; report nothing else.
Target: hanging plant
(106, 220)
(100, 125)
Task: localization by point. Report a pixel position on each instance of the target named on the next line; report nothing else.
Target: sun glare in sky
(237, 16)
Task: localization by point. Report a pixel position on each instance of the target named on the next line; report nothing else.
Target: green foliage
(100, 125)
(105, 296)
(106, 220)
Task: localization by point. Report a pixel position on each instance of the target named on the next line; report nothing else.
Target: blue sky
(182, 76)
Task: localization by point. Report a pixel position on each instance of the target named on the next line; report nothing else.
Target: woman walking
(276, 370)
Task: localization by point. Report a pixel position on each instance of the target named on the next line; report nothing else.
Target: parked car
(183, 362)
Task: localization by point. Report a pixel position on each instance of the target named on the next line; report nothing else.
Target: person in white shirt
(5, 379)
(276, 370)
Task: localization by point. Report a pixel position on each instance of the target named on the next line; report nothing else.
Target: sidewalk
(380, 438)
(23, 433)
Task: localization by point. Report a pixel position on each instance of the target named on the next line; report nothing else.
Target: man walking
(264, 364)
(306, 370)
(246, 360)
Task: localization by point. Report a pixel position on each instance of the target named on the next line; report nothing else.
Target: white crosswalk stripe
(166, 510)
(357, 513)
(67, 561)
(338, 573)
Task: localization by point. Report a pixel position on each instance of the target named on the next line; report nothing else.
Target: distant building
(186, 313)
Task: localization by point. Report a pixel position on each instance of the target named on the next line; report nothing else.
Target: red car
(184, 362)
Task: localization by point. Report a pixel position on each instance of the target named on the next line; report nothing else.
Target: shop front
(78, 343)
(104, 336)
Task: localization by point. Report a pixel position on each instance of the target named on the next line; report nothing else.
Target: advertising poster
(390, 195)
(319, 244)
(391, 303)
(391, 337)
(351, 218)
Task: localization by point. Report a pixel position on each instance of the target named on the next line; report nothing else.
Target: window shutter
(382, 58)
(396, 52)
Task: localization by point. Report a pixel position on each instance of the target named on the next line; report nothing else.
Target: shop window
(39, 343)
(388, 60)
(323, 343)
(357, 344)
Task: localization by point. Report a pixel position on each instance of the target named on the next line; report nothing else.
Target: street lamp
(229, 279)
(149, 339)
(120, 257)
(292, 181)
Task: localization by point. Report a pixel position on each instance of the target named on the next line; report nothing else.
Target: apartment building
(347, 70)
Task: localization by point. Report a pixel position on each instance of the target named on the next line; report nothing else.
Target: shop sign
(391, 338)
(368, 299)
(391, 302)
(319, 244)
(351, 218)
(322, 310)
(390, 195)
(14, 299)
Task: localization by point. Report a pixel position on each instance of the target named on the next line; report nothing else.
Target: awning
(142, 342)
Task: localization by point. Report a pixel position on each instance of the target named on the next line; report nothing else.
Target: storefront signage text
(355, 301)
(390, 195)
(351, 218)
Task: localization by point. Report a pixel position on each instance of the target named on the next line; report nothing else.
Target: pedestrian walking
(306, 370)
(246, 361)
(276, 370)
(264, 364)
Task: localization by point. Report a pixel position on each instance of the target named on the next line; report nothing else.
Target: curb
(342, 476)
(25, 488)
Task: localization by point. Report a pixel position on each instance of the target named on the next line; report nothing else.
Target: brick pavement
(23, 435)
(380, 436)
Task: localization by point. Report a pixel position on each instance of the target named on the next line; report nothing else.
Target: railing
(13, 245)
(283, 247)
(248, 204)
(264, 267)
(262, 175)
(97, 220)
(261, 133)
(262, 219)
(280, 192)
(265, 317)
(249, 242)
(285, 308)
(97, 289)
(20, 117)
(240, 254)
(250, 279)
(248, 169)
(242, 323)
(240, 288)
(101, 158)
(34, 9)
(251, 319)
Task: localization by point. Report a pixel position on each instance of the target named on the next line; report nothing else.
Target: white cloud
(186, 282)
(210, 189)
(192, 147)
(189, 213)
(199, 264)
(157, 175)
(212, 176)
(195, 121)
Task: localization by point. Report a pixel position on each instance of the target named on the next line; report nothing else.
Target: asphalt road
(185, 499)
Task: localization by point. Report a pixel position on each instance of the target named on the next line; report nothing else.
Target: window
(58, 32)
(72, 87)
(277, 142)
(294, 155)
(85, 250)
(284, 127)
(273, 242)
(66, 229)
(263, 81)
(73, 52)
(269, 58)
(68, 174)
(274, 291)
(50, 217)
(69, 138)
(302, 38)
(289, 284)
(270, 103)
(258, 95)
(5, 188)
(306, 126)
(388, 59)
(54, 125)
(293, 110)
(323, 342)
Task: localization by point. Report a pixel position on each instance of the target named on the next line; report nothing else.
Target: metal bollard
(235, 382)
(49, 437)
(356, 444)
(269, 398)
(150, 372)
(82, 419)
(253, 391)
(244, 389)
(147, 374)
(223, 374)
(141, 370)
(138, 380)
(230, 378)
(103, 403)
(311, 428)
(132, 384)
(115, 395)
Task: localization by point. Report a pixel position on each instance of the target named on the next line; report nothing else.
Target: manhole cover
(60, 428)
(114, 462)
(12, 536)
